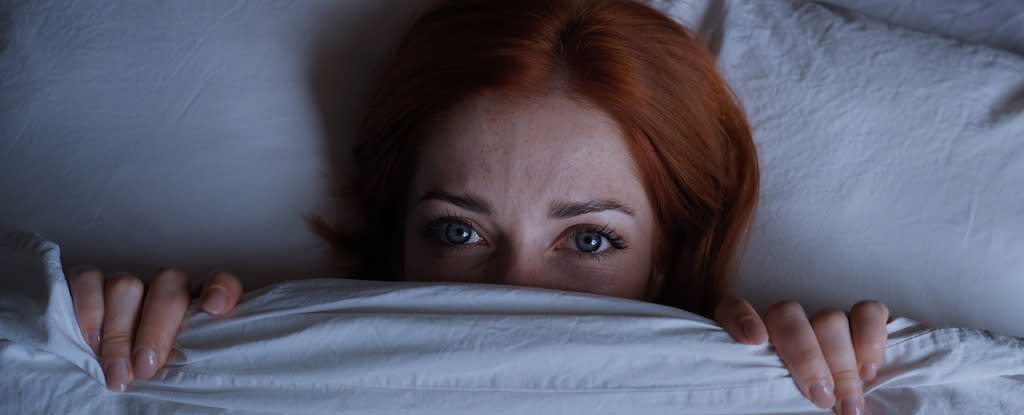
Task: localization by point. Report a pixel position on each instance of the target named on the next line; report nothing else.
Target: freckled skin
(519, 155)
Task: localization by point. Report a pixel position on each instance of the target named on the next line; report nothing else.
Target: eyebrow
(565, 210)
(559, 209)
(468, 202)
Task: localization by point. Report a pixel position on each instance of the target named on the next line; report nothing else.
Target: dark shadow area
(25, 270)
(5, 30)
(8, 8)
(254, 274)
(712, 26)
(347, 60)
(1009, 107)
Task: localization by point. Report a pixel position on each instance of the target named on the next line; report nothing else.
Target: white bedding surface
(150, 133)
(892, 165)
(345, 346)
(996, 23)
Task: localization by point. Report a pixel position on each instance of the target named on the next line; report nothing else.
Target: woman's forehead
(527, 147)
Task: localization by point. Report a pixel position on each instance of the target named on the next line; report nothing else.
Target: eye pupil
(457, 232)
(588, 241)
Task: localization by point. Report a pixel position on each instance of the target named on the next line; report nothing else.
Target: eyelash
(606, 232)
(431, 229)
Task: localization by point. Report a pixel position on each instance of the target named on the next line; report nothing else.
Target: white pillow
(892, 165)
(152, 133)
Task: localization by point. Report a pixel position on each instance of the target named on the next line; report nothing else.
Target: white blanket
(346, 346)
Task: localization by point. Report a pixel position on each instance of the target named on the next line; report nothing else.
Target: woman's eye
(590, 242)
(451, 231)
(457, 233)
(594, 242)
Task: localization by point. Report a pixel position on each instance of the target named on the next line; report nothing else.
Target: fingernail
(94, 341)
(868, 372)
(821, 394)
(117, 374)
(750, 329)
(851, 405)
(145, 363)
(216, 298)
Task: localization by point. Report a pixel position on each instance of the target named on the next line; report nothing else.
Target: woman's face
(530, 191)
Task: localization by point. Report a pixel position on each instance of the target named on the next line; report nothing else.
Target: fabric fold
(349, 346)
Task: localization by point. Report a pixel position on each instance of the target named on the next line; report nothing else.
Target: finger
(833, 332)
(797, 345)
(867, 325)
(122, 295)
(740, 320)
(220, 294)
(86, 288)
(167, 300)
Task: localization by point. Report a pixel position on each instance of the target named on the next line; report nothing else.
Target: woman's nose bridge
(521, 266)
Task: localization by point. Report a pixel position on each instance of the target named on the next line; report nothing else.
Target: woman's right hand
(134, 335)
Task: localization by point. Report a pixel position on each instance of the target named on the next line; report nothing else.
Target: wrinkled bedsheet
(358, 347)
(996, 23)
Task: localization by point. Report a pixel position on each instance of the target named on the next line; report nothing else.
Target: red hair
(684, 127)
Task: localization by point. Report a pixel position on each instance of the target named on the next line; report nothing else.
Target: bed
(142, 134)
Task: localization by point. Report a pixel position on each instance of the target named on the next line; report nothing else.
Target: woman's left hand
(828, 356)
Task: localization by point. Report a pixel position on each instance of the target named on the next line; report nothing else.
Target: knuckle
(89, 275)
(224, 279)
(167, 269)
(728, 308)
(156, 343)
(829, 318)
(733, 302)
(806, 364)
(784, 311)
(87, 298)
(872, 309)
(125, 285)
(220, 275)
(112, 337)
(870, 350)
(89, 314)
(846, 377)
(172, 277)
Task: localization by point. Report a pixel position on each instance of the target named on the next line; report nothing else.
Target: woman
(577, 145)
